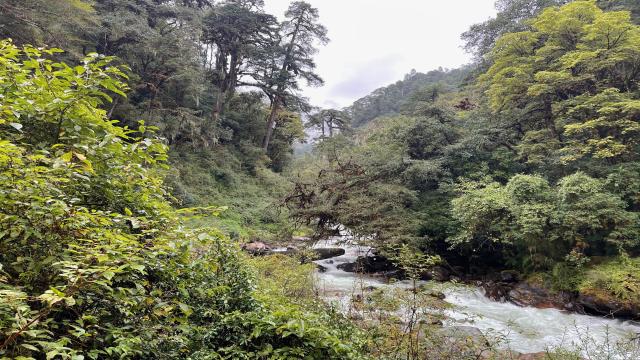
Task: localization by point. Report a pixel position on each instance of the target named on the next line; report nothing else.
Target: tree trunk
(217, 107)
(548, 118)
(281, 88)
(270, 125)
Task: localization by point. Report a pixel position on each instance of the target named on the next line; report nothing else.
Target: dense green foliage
(94, 261)
(119, 238)
(390, 99)
(185, 61)
(533, 166)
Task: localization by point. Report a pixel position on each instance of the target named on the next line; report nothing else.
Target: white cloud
(374, 43)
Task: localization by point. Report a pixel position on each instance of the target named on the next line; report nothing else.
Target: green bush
(94, 262)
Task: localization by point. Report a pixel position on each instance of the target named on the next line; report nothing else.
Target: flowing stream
(523, 329)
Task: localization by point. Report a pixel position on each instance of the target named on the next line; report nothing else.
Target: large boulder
(369, 265)
(437, 273)
(256, 248)
(526, 294)
(327, 253)
(347, 267)
(496, 291)
(607, 306)
(509, 276)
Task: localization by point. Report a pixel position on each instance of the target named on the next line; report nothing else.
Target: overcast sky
(375, 42)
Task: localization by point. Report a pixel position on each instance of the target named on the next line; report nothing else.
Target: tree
(298, 36)
(568, 87)
(237, 29)
(394, 98)
(330, 120)
(512, 17)
(62, 23)
(617, 5)
(536, 225)
(289, 129)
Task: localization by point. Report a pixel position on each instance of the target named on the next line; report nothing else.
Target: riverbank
(609, 288)
(521, 328)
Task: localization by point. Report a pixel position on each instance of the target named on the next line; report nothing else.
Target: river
(523, 329)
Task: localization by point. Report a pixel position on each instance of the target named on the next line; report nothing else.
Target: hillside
(390, 99)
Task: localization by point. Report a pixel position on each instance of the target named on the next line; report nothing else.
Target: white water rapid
(524, 329)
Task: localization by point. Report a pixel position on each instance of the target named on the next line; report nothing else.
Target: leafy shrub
(94, 262)
(537, 225)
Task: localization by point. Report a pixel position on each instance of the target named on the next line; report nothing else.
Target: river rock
(375, 264)
(347, 267)
(431, 321)
(256, 248)
(437, 294)
(509, 276)
(437, 273)
(327, 253)
(394, 274)
(527, 295)
(369, 265)
(440, 273)
(497, 291)
(607, 307)
(322, 268)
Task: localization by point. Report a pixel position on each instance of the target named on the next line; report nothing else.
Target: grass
(617, 278)
(251, 195)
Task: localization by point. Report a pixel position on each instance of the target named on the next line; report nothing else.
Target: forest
(168, 192)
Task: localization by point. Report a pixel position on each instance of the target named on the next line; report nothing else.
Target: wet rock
(431, 321)
(437, 273)
(256, 248)
(348, 267)
(326, 253)
(496, 291)
(437, 294)
(375, 264)
(509, 276)
(369, 265)
(321, 268)
(607, 307)
(370, 288)
(393, 274)
(328, 261)
(525, 294)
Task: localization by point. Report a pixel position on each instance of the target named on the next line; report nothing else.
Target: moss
(616, 278)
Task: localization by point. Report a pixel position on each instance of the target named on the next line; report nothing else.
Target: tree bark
(270, 124)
